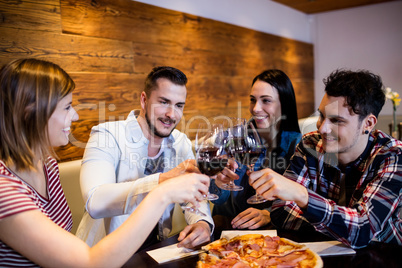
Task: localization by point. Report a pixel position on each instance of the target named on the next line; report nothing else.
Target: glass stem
(251, 168)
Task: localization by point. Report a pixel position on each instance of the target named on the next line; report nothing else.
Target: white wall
(261, 15)
(368, 37)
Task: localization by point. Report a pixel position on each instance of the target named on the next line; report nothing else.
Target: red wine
(209, 152)
(211, 167)
(209, 161)
(238, 143)
(237, 146)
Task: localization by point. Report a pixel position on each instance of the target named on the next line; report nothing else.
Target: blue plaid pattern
(373, 192)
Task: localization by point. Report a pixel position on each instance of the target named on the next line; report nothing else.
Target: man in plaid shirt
(345, 179)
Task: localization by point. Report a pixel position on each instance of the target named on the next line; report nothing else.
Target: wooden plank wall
(109, 46)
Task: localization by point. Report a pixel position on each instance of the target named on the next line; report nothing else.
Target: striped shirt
(373, 192)
(16, 196)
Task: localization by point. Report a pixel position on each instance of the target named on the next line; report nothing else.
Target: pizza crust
(318, 261)
(216, 244)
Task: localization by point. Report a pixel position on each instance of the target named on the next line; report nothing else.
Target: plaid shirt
(373, 192)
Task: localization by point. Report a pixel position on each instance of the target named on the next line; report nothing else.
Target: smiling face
(341, 131)
(60, 121)
(265, 105)
(164, 107)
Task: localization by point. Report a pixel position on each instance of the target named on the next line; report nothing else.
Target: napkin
(329, 248)
(170, 253)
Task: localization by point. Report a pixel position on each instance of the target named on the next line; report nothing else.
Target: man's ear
(369, 122)
(143, 100)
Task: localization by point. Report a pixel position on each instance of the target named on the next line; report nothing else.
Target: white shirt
(112, 174)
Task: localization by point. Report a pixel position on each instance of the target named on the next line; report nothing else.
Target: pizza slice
(216, 247)
(212, 261)
(304, 259)
(276, 246)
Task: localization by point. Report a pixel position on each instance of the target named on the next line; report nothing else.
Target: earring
(366, 132)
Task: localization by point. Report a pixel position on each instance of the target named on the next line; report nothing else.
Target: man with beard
(125, 160)
(345, 179)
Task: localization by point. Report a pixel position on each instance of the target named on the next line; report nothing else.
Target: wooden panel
(42, 16)
(290, 58)
(98, 99)
(183, 33)
(73, 53)
(136, 21)
(109, 47)
(316, 6)
(304, 97)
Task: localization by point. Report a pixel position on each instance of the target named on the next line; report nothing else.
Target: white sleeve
(103, 195)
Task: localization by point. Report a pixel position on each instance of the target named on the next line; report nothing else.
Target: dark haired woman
(274, 114)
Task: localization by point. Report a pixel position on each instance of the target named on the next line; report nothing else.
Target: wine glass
(253, 151)
(210, 155)
(210, 151)
(236, 147)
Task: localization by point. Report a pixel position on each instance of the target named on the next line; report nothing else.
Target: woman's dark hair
(29, 92)
(362, 89)
(279, 80)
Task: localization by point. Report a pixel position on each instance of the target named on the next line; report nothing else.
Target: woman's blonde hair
(29, 92)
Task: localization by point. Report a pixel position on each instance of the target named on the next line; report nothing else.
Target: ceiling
(316, 6)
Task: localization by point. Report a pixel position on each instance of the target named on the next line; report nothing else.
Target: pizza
(255, 251)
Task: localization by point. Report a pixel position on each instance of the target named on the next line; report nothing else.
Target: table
(374, 256)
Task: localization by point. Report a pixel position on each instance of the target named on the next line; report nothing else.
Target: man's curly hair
(362, 89)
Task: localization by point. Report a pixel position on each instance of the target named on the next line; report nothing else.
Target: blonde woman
(35, 115)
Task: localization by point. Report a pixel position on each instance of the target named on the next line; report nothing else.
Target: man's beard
(154, 130)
